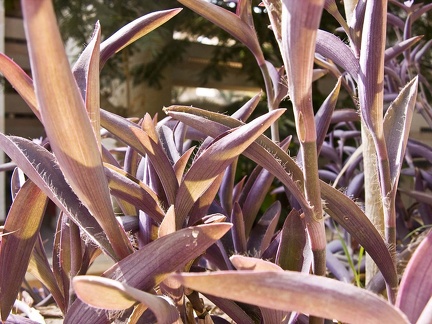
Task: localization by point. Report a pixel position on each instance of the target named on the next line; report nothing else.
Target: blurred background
(187, 61)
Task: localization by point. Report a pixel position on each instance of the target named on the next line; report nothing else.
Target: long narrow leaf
(215, 159)
(86, 73)
(340, 207)
(230, 22)
(130, 189)
(22, 228)
(113, 295)
(66, 121)
(42, 168)
(416, 287)
(149, 266)
(293, 291)
(133, 31)
(21, 82)
(332, 47)
(397, 125)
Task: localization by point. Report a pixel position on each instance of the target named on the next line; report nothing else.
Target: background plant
(185, 223)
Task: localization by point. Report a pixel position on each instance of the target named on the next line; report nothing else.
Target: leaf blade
(293, 291)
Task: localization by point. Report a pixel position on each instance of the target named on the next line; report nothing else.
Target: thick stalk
(371, 92)
(373, 202)
(270, 92)
(315, 226)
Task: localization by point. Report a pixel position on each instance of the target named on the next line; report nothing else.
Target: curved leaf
(20, 233)
(415, 289)
(340, 207)
(42, 168)
(109, 294)
(230, 22)
(215, 159)
(139, 140)
(332, 47)
(293, 291)
(149, 266)
(132, 190)
(65, 119)
(133, 31)
(21, 82)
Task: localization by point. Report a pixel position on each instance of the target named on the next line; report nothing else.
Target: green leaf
(20, 233)
(109, 294)
(415, 289)
(66, 121)
(293, 291)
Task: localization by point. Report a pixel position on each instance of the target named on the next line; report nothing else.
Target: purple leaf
(238, 229)
(230, 22)
(345, 211)
(133, 31)
(254, 197)
(290, 254)
(415, 289)
(149, 144)
(150, 265)
(333, 48)
(21, 82)
(109, 294)
(19, 235)
(130, 189)
(397, 125)
(371, 74)
(65, 119)
(392, 52)
(263, 231)
(215, 159)
(324, 115)
(86, 73)
(42, 168)
(293, 291)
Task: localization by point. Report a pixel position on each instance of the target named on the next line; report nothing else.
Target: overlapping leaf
(215, 159)
(109, 294)
(293, 291)
(66, 122)
(230, 22)
(20, 233)
(43, 169)
(149, 266)
(416, 287)
(340, 207)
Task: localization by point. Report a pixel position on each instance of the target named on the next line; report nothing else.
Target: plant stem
(315, 226)
(270, 92)
(373, 203)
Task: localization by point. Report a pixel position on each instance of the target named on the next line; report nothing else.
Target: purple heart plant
(339, 240)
